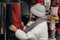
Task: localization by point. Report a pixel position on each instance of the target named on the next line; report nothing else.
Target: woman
(38, 30)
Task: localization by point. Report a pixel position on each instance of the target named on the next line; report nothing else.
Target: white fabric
(40, 32)
(31, 36)
(54, 10)
(20, 34)
(47, 2)
(38, 10)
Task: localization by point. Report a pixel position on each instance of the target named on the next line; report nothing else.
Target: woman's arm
(21, 34)
(18, 32)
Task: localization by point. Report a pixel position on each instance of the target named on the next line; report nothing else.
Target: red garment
(59, 10)
(40, 1)
(55, 2)
(16, 15)
(58, 29)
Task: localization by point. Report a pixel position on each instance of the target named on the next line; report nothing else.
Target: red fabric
(59, 10)
(40, 1)
(54, 2)
(58, 29)
(16, 16)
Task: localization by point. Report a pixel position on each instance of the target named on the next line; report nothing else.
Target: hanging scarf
(16, 15)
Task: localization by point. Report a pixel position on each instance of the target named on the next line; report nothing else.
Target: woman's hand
(13, 28)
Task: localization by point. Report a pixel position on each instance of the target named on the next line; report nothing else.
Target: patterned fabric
(55, 2)
(33, 25)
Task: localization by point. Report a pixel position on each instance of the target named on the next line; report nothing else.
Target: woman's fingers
(13, 28)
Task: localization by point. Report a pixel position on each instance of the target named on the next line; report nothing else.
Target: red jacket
(16, 16)
(40, 1)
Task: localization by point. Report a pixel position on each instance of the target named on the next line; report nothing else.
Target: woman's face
(34, 17)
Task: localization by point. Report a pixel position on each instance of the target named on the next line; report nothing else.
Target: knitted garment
(38, 10)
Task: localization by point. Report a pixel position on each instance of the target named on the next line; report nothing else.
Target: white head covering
(38, 10)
